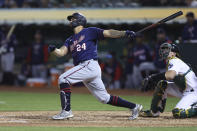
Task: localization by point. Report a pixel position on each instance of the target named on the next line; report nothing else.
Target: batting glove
(130, 34)
(51, 48)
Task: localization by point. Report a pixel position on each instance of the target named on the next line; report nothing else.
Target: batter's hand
(51, 48)
(130, 34)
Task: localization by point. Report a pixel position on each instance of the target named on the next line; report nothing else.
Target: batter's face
(72, 19)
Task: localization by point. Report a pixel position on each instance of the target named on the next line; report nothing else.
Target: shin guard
(183, 113)
(65, 94)
(159, 97)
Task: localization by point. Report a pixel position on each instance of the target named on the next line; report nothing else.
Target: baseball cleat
(135, 112)
(63, 115)
(149, 113)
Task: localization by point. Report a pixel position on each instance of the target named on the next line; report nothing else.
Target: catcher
(179, 80)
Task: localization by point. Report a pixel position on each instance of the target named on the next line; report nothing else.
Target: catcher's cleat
(135, 112)
(63, 115)
(149, 113)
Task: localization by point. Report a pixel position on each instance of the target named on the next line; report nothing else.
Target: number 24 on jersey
(80, 47)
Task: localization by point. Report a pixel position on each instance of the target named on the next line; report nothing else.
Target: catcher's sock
(65, 93)
(117, 101)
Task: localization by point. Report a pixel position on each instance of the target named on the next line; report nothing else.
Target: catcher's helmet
(166, 48)
(80, 19)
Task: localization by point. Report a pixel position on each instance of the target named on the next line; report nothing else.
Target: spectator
(191, 3)
(150, 2)
(164, 3)
(26, 4)
(112, 72)
(20, 3)
(141, 57)
(7, 55)
(177, 3)
(8, 4)
(45, 4)
(190, 29)
(161, 38)
(93, 3)
(2, 3)
(38, 56)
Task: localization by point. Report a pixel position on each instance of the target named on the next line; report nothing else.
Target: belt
(80, 62)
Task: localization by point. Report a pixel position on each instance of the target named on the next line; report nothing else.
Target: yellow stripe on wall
(91, 14)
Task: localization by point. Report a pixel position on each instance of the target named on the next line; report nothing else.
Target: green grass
(97, 129)
(22, 101)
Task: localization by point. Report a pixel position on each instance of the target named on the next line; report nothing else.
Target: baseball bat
(173, 16)
(10, 32)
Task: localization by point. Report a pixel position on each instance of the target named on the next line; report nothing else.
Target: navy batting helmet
(80, 19)
(166, 48)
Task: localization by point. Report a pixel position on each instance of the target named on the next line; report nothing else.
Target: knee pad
(184, 113)
(161, 86)
(62, 79)
(104, 98)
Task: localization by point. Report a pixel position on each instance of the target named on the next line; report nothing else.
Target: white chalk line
(2, 102)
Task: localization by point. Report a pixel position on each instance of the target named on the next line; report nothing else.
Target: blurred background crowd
(24, 56)
(94, 3)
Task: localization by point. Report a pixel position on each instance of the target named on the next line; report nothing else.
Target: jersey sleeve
(96, 33)
(175, 65)
(67, 42)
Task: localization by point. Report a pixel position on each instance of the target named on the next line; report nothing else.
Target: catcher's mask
(166, 48)
(80, 19)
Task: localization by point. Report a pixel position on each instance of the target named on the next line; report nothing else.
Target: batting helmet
(80, 19)
(166, 48)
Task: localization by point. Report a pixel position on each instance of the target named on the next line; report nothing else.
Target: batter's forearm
(113, 33)
(58, 52)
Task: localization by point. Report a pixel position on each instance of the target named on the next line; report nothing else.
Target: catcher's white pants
(88, 72)
(187, 98)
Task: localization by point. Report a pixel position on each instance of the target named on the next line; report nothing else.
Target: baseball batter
(179, 80)
(83, 47)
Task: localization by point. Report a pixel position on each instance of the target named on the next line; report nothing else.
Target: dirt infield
(91, 119)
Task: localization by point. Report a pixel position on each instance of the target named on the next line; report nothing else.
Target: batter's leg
(97, 88)
(72, 76)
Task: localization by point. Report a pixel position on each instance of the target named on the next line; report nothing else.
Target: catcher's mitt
(151, 81)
